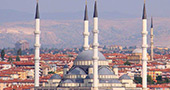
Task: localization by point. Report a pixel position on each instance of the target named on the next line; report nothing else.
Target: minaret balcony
(144, 32)
(95, 45)
(86, 33)
(145, 59)
(95, 31)
(37, 45)
(95, 58)
(36, 59)
(37, 32)
(144, 46)
(86, 46)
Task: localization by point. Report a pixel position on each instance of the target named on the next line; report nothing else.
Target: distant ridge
(68, 33)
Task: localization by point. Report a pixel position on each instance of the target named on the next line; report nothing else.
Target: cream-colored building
(136, 56)
(168, 65)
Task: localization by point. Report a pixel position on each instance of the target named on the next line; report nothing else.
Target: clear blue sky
(158, 8)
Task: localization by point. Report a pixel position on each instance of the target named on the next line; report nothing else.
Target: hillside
(68, 33)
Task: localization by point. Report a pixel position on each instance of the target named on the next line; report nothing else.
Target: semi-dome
(137, 50)
(68, 81)
(55, 76)
(77, 71)
(105, 71)
(125, 76)
(88, 55)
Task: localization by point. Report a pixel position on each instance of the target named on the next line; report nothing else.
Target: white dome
(88, 55)
(137, 50)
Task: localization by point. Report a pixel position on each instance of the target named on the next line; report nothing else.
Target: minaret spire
(95, 9)
(144, 11)
(85, 13)
(144, 49)
(86, 29)
(37, 15)
(95, 49)
(151, 36)
(37, 47)
(151, 22)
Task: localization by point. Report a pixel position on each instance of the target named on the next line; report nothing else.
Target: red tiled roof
(2, 63)
(19, 87)
(24, 63)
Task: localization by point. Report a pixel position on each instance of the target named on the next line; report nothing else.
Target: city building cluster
(20, 74)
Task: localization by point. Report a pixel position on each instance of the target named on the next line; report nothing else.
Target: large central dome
(88, 55)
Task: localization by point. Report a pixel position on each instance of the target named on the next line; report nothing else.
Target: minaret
(144, 50)
(37, 47)
(151, 39)
(95, 49)
(86, 30)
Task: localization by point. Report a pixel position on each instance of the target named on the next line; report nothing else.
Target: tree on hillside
(10, 59)
(19, 52)
(17, 58)
(149, 80)
(167, 80)
(159, 79)
(3, 54)
(51, 72)
(104, 47)
(138, 80)
(127, 63)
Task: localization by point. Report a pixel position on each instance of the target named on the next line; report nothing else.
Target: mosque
(136, 56)
(90, 70)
